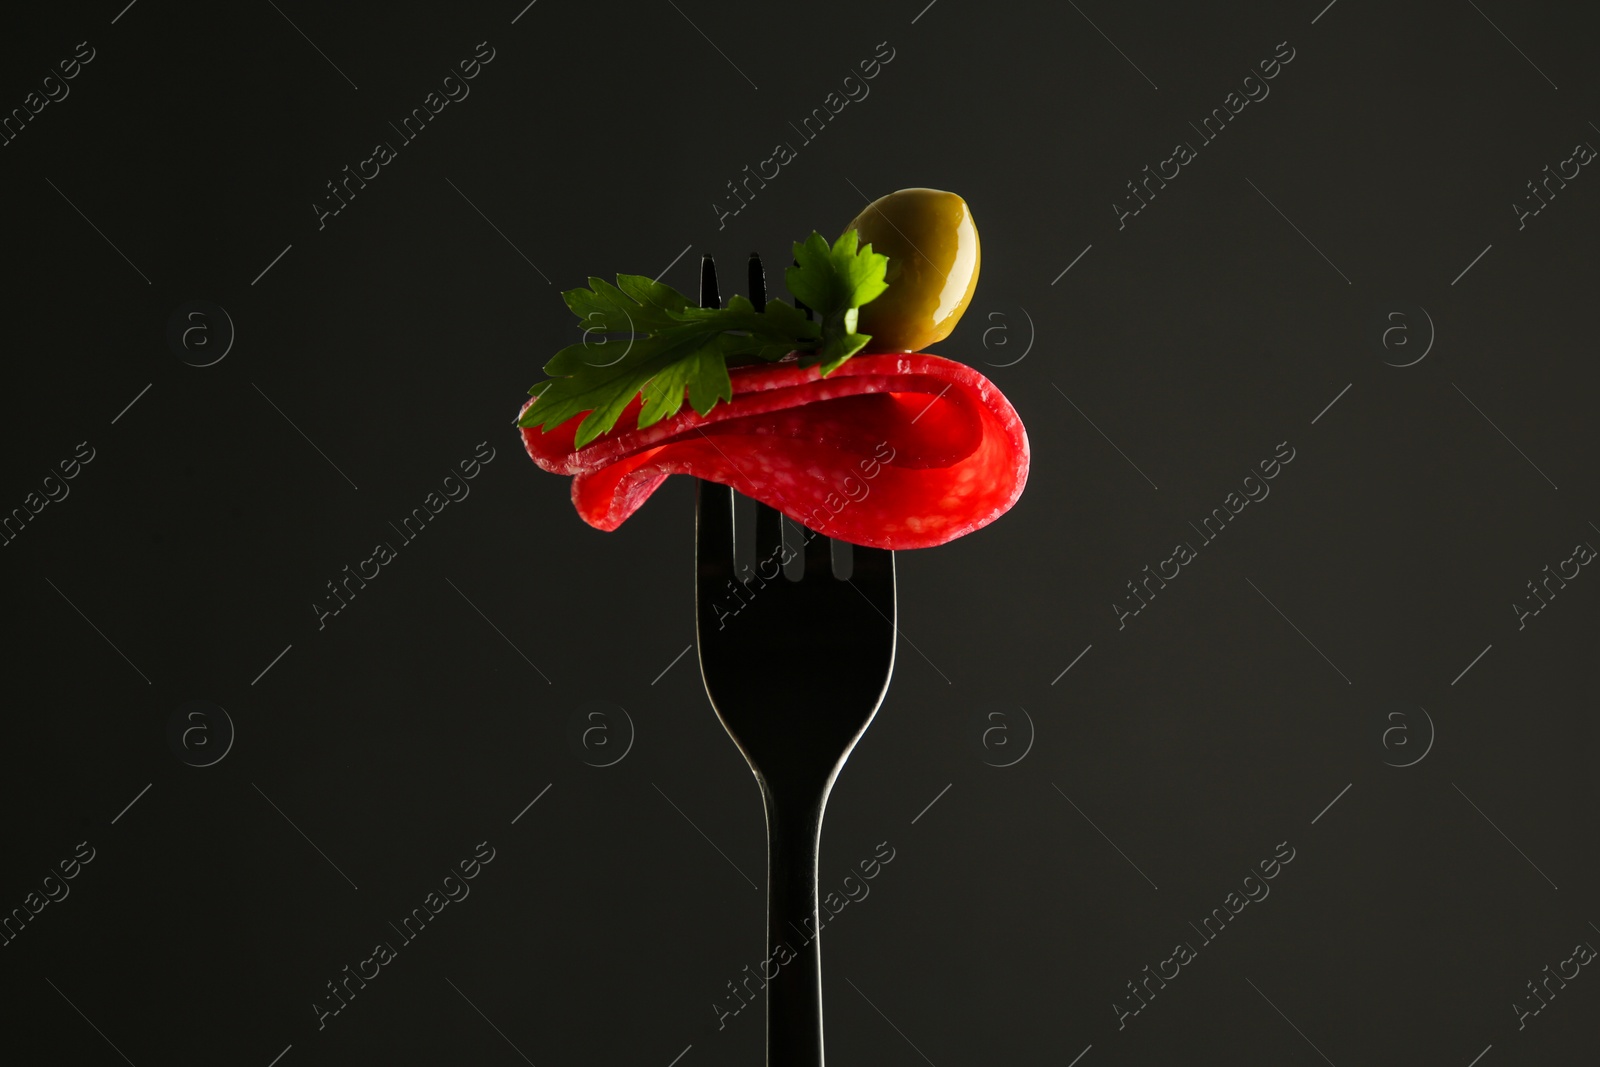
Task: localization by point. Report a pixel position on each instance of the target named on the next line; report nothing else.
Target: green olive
(932, 245)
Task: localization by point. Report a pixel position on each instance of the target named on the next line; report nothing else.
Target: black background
(1177, 752)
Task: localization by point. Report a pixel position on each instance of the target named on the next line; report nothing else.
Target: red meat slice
(892, 450)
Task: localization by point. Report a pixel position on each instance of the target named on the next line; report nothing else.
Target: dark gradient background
(1360, 617)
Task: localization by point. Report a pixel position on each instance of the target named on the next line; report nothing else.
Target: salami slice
(891, 450)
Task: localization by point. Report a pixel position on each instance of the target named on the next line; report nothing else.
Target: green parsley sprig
(677, 348)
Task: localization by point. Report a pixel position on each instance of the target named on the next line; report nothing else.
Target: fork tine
(769, 536)
(769, 523)
(819, 556)
(713, 503)
(708, 282)
(818, 549)
(758, 282)
(797, 302)
(871, 565)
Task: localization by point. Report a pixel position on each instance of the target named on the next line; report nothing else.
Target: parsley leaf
(676, 348)
(835, 282)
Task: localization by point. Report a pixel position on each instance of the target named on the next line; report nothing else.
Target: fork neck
(793, 967)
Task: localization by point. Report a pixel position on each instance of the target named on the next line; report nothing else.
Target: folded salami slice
(893, 450)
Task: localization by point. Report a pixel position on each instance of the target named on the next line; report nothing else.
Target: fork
(796, 677)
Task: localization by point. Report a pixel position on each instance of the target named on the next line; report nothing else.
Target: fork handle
(793, 967)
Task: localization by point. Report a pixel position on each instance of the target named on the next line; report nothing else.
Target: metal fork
(796, 676)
